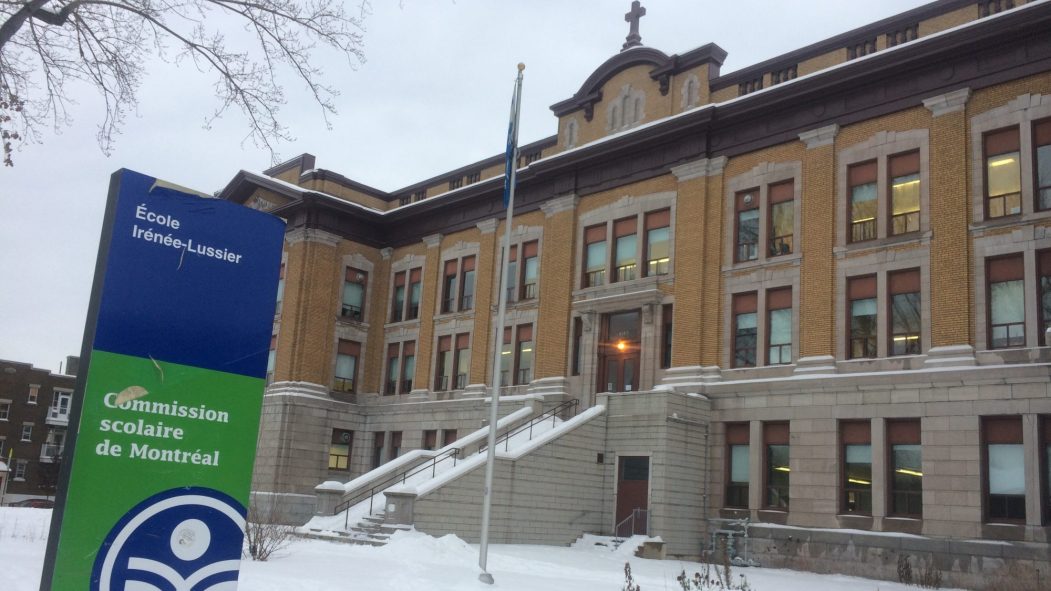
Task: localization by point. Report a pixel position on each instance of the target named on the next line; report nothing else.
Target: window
(354, 283)
(737, 465)
(779, 326)
(624, 247)
(747, 226)
(430, 439)
(658, 243)
(458, 277)
(419, 195)
(473, 177)
(448, 437)
(1003, 175)
(989, 7)
(21, 470)
(377, 448)
(524, 355)
(393, 357)
(904, 309)
(1004, 468)
(415, 287)
(60, 405)
(402, 308)
(448, 360)
(512, 274)
(3, 444)
(455, 183)
(408, 366)
(34, 390)
(404, 200)
(862, 188)
(5, 410)
(1046, 435)
(775, 438)
(861, 293)
(339, 449)
(578, 335)
(856, 437)
(1042, 159)
(1005, 277)
(54, 443)
(595, 256)
(280, 288)
(904, 193)
(781, 199)
(745, 329)
(27, 431)
(271, 359)
(397, 307)
(347, 354)
(395, 444)
(906, 468)
(530, 270)
(666, 335)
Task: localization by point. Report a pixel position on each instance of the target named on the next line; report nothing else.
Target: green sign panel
(176, 346)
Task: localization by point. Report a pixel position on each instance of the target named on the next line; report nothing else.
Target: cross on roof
(633, 39)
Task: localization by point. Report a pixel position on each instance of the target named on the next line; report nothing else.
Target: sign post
(164, 425)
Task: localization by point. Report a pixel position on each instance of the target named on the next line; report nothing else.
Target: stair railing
(567, 409)
(632, 524)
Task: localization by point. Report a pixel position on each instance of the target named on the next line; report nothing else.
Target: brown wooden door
(633, 489)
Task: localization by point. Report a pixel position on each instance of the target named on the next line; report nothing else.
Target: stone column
(432, 271)
(556, 280)
(951, 287)
(817, 273)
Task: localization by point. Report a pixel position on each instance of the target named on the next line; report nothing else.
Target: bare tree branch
(48, 46)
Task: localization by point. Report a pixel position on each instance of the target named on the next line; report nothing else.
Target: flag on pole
(512, 144)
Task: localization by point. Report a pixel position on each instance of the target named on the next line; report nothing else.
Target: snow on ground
(413, 560)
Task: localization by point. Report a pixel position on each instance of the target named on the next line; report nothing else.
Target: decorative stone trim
(297, 235)
(557, 205)
(475, 391)
(816, 364)
(297, 389)
(386, 253)
(699, 168)
(950, 102)
(822, 136)
(950, 356)
(551, 387)
(689, 378)
(432, 240)
(487, 226)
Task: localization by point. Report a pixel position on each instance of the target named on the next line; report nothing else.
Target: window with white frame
(5, 410)
(21, 470)
(34, 391)
(27, 432)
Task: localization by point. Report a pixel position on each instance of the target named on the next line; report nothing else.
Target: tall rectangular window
(354, 283)
(415, 287)
(1042, 163)
(904, 193)
(27, 431)
(507, 361)
(856, 437)
(271, 359)
(397, 305)
(781, 199)
(395, 444)
(280, 288)
(524, 354)
(449, 276)
(746, 329)
(530, 269)
(1045, 435)
(34, 391)
(347, 354)
(430, 439)
(625, 249)
(448, 437)
(666, 335)
(904, 307)
(1005, 277)
(861, 295)
(21, 470)
(775, 439)
(595, 256)
(408, 366)
(378, 439)
(578, 335)
(658, 243)
(1003, 173)
(463, 360)
(737, 465)
(467, 283)
(1004, 468)
(5, 411)
(512, 274)
(862, 187)
(906, 468)
(393, 355)
(1043, 267)
(444, 369)
(339, 449)
(779, 326)
(746, 211)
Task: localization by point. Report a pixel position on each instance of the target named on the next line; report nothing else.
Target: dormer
(638, 85)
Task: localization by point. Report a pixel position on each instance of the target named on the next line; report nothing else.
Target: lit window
(862, 179)
(904, 193)
(1006, 295)
(1003, 176)
(624, 249)
(775, 438)
(906, 468)
(658, 243)
(779, 326)
(738, 465)
(781, 198)
(904, 291)
(339, 449)
(1004, 468)
(747, 211)
(861, 292)
(745, 329)
(857, 467)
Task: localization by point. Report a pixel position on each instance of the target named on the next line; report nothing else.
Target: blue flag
(512, 142)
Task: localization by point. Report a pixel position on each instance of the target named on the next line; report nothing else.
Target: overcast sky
(432, 96)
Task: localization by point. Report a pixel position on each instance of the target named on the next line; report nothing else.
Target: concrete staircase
(371, 530)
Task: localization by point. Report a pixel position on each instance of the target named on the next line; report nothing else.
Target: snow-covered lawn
(419, 562)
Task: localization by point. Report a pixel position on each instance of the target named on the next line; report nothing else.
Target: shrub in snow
(629, 582)
(265, 532)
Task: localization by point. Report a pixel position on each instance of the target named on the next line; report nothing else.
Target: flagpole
(510, 171)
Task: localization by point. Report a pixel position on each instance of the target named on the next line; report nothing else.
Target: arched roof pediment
(591, 90)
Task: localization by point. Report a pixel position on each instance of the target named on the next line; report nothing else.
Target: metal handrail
(636, 513)
(454, 453)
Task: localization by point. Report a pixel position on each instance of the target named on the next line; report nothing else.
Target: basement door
(633, 489)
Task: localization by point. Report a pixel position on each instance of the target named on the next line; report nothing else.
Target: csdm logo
(184, 539)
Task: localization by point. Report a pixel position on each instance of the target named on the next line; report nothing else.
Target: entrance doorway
(633, 492)
(620, 352)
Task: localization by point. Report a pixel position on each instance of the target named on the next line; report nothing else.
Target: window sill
(1009, 220)
(793, 258)
(401, 323)
(349, 320)
(918, 238)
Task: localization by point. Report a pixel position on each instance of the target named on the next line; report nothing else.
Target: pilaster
(556, 259)
(306, 349)
(817, 273)
(428, 304)
(484, 277)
